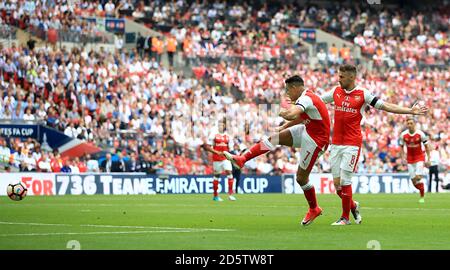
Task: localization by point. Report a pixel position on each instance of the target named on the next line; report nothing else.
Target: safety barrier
(49, 184)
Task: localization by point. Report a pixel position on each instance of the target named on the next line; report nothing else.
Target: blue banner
(115, 25)
(203, 184)
(364, 184)
(49, 184)
(107, 184)
(49, 138)
(123, 184)
(53, 137)
(108, 24)
(305, 34)
(43, 134)
(19, 130)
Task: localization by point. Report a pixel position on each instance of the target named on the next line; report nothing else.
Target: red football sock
(256, 150)
(215, 187)
(419, 186)
(346, 201)
(230, 186)
(339, 193)
(310, 195)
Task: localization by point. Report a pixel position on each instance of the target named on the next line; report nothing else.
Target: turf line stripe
(117, 226)
(32, 224)
(91, 233)
(150, 227)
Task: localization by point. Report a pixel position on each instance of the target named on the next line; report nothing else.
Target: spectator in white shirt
(322, 57)
(29, 163)
(119, 42)
(5, 152)
(71, 131)
(73, 166)
(92, 164)
(28, 116)
(44, 163)
(263, 166)
(109, 9)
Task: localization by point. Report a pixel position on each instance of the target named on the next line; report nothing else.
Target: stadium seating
(128, 101)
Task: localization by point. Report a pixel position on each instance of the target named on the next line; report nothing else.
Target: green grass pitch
(183, 222)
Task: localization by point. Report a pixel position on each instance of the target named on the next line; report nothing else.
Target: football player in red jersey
(308, 128)
(350, 101)
(217, 144)
(415, 156)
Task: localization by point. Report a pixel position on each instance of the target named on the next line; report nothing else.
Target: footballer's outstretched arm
(289, 124)
(328, 97)
(394, 108)
(292, 113)
(373, 101)
(208, 148)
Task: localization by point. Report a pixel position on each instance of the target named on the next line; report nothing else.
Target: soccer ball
(16, 192)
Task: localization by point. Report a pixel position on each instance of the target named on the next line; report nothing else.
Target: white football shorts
(343, 157)
(309, 151)
(222, 166)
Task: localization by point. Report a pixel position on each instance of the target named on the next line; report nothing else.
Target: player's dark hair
(295, 80)
(348, 68)
(224, 122)
(412, 118)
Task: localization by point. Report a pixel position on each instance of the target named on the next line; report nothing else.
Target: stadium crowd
(154, 119)
(97, 96)
(38, 17)
(217, 29)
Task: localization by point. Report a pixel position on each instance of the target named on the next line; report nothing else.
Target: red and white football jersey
(315, 118)
(348, 113)
(220, 142)
(413, 142)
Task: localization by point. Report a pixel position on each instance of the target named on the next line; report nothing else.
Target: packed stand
(218, 30)
(210, 32)
(155, 120)
(42, 17)
(206, 32)
(160, 119)
(27, 156)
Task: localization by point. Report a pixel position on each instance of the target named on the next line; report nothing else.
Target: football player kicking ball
(312, 137)
(350, 102)
(413, 139)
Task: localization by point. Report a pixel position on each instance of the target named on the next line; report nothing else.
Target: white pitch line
(406, 209)
(33, 224)
(148, 227)
(193, 205)
(119, 226)
(89, 233)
